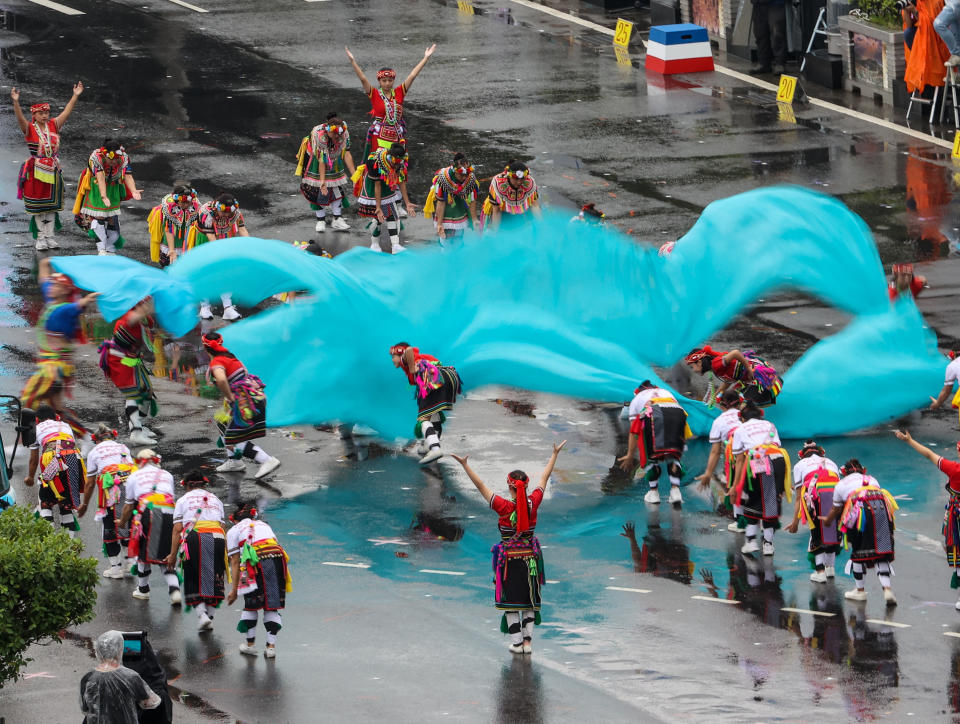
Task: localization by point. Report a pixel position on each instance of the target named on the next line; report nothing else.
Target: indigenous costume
(512, 202)
(660, 425)
(61, 472)
(57, 330)
(203, 550)
(112, 464)
(764, 479)
(388, 126)
(264, 577)
(379, 170)
(150, 489)
(208, 227)
(169, 217)
(952, 378)
(867, 524)
(244, 419)
(322, 157)
(721, 433)
(761, 390)
(91, 210)
(518, 571)
(457, 196)
(436, 387)
(951, 516)
(122, 364)
(40, 183)
(814, 478)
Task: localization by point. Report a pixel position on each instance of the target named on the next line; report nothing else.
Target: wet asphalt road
(223, 98)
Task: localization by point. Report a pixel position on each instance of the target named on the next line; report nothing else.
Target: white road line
(952, 633)
(188, 6)
(827, 105)
(714, 600)
(443, 573)
(628, 590)
(58, 7)
(551, 581)
(888, 623)
(346, 565)
(807, 610)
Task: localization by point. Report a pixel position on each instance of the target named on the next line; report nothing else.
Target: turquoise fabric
(566, 308)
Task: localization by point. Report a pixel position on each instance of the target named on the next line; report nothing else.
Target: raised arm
(923, 450)
(17, 111)
(68, 109)
(359, 71)
(481, 486)
(548, 471)
(418, 67)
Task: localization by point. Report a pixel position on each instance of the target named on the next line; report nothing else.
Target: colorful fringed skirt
(204, 566)
(871, 541)
(53, 376)
(440, 399)
(97, 207)
(271, 579)
(244, 421)
(62, 478)
(763, 491)
(951, 530)
(662, 435)
(40, 185)
(156, 535)
(129, 374)
(367, 199)
(518, 574)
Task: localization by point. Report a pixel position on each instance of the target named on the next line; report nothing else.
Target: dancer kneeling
(436, 388)
(517, 559)
(761, 476)
(815, 476)
(658, 428)
(259, 570)
(865, 511)
(244, 414)
(150, 503)
(199, 539)
(109, 465)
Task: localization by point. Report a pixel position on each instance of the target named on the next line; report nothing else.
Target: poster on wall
(867, 59)
(706, 14)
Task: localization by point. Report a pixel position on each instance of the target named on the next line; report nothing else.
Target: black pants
(770, 31)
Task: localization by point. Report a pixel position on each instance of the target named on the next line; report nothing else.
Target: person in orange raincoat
(926, 57)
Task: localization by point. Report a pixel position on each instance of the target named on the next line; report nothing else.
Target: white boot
(375, 246)
(321, 225)
(675, 496)
(205, 312)
(397, 248)
(41, 244)
(652, 496)
(338, 224)
(230, 313)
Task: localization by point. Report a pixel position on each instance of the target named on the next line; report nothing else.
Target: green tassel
(34, 230)
(536, 618)
(105, 554)
(153, 407)
(812, 558)
(243, 625)
(56, 222)
(133, 569)
(955, 580)
(741, 521)
(92, 235)
(118, 244)
(503, 624)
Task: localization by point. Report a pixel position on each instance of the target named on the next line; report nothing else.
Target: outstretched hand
(626, 463)
(557, 447)
(629, 530)
(349, 54)
(903, 435)
(704, 481)
(428, 52)
(78, 88)
(461, 460)
(15, 94)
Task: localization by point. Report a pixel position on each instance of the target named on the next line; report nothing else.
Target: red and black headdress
(518, 481)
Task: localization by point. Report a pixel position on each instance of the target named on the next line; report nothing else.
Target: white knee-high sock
(514, 627)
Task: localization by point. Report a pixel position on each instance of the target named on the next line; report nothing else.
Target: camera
(903, 4)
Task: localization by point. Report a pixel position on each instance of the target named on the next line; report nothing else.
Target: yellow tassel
(83, 187)
(191, 238)
(429, 206)
(687, 432)
(956, 399)
(788, 480)
(488, 207)
(302, 155)
(358, 174)
(155, 227)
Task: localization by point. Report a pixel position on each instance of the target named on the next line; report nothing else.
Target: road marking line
(628, 590)
(195, 9)
(317, 1)
(888, 623)
(346, 565)
(443, 573)
(58, 7)
(552, 581)
(827, 105)
(807, 610)
(714, 600)
(952, 633)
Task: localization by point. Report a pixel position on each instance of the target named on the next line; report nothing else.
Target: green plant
(45, 585)
(882, 12)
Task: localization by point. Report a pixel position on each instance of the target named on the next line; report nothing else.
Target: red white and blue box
(681, 48)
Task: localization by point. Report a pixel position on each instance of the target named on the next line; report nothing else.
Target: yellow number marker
(788, 86)
(955, 153)
(621, 35)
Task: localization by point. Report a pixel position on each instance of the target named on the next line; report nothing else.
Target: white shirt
(107, 453)
(148, 479)
(753, 433)
(953, 372)
(198, 504)
(808, 465)
(241, 533)
(641, 403)
(849, 485)
(47, 429)
(725, 423)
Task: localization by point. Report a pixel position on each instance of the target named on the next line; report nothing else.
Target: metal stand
(819, 28)
(949, 83)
